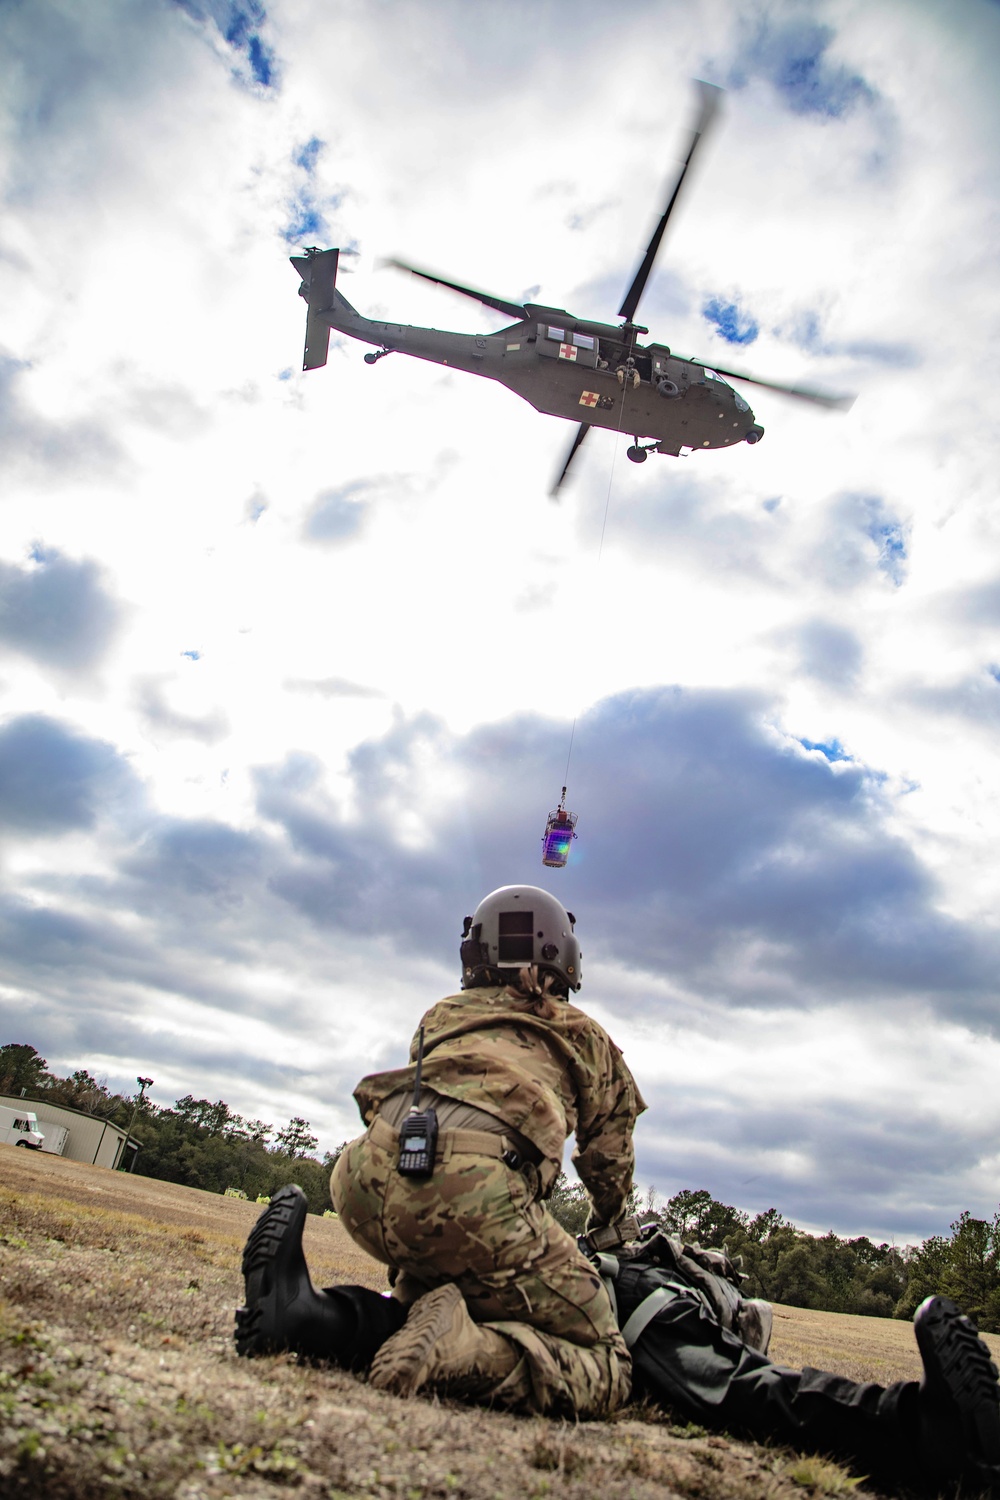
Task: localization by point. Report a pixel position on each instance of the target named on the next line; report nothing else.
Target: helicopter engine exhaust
(318, 269)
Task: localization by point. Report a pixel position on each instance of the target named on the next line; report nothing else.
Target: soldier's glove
(609, 1236)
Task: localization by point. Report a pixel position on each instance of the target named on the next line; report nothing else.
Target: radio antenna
(415, 1106)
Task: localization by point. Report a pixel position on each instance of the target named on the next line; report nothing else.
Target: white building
(88, 1138)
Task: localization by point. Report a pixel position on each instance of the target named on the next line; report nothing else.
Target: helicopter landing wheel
(636, 454)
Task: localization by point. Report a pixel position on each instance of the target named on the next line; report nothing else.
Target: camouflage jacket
(541, 1066)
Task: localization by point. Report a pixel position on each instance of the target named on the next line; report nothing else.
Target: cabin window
(584, 340)
(557, 334)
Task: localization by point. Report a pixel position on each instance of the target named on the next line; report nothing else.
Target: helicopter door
(563, 343)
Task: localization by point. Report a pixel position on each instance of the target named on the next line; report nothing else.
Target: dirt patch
(118, 1377)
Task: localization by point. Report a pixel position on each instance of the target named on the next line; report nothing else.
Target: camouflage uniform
(523, 1074)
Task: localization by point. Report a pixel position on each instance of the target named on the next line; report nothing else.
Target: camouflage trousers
(478, 1223)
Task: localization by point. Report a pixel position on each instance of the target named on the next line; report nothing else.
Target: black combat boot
(284, 1311)
(959, 1398)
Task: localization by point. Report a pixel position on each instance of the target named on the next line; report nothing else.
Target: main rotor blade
(710, 99)
(581, 433)
(511, 309)
(800, 392)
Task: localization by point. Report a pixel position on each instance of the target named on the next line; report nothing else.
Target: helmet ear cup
(474, 954)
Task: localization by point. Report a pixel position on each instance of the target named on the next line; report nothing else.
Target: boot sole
(400, 1367)
(958, 1363)
(256, 1323)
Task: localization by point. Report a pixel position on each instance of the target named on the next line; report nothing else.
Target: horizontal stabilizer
(318, 270)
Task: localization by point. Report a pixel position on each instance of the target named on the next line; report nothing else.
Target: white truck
(19, 1127)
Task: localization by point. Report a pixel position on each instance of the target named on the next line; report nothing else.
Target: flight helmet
(518, 925)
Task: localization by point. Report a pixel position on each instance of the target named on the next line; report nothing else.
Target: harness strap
(609, 1287)
(648, 1308)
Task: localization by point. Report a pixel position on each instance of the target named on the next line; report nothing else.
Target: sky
(292, 665)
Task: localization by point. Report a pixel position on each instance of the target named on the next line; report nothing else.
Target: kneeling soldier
(502, 1306)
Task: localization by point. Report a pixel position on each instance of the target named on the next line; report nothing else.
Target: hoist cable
(600, 549)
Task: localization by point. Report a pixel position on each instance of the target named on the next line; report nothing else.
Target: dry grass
(118, 1377)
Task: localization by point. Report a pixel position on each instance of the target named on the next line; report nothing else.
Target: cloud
(690, 515)
(712, 849)
(53, 780)
(860, 533)
(975, 699)
(169, 722)
(338, 515)
(332, 687)
(980, 605)
(56, 611)
(29, 439)
(197, 860)
(827, 652)
(841, 1163)
(792, 56)
(805, 331)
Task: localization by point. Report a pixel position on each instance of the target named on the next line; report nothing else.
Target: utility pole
(144, 1084)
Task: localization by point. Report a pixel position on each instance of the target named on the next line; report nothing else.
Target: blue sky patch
(305, 221)
(791, 56)
(735, 326)
(192, 655)
(241, 23)
(307, 156)
(888, 537)
(306, 215)
(832, 749)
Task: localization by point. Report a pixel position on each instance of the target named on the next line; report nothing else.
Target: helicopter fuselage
(585, 372)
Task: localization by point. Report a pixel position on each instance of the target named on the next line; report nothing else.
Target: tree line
(204, 1144)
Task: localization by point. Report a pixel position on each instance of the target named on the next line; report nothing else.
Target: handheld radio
(418, 1132)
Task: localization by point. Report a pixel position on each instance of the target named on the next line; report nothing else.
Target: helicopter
(597, 374)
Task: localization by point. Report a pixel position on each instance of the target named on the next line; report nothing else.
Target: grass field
(118, 1376)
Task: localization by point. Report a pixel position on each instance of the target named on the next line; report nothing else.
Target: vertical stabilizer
(318, 269)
